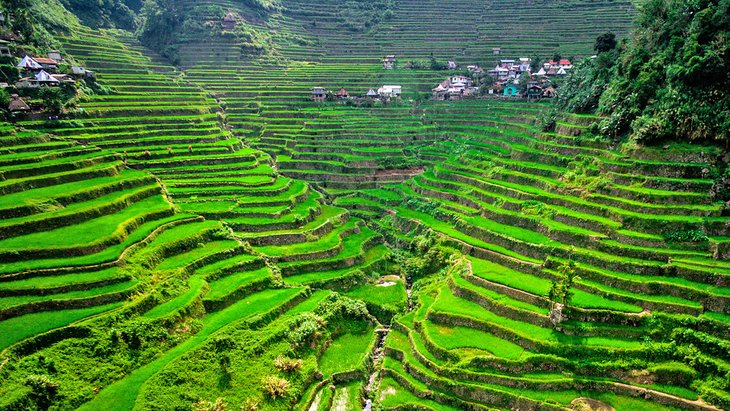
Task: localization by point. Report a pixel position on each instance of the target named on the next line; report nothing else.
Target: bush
(673, 373)
(548, 121)
(276, 387)
(218, 405)
(43, 390)
(305, 330)
(686, 236)
(288, 365)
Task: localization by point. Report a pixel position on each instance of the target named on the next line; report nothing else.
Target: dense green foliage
(206, 237)
(104, 13)
(669, 82)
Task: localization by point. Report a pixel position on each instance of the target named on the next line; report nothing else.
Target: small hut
(389, 62)
(549, 92)
(17, 105)
(342, 94)
(55, 55)
(230, 21)
(319, 94)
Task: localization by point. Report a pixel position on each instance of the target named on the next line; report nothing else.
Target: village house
(389, 62)
(549, 92)
(499, 73)
(17, 105)
(342, 94)
(496, 51)
(475, 69)
(506, 63)
(5, 49)
(524, 64)
(564, 64)
(41, 79)
(387, 92)
(63, 78)
(319, 94)
(28, 63)
(454, 88)
(452, 65)
(55, 55)
(47, 64)
(230, 21)
(534, 92)
(81, 72)
(511, 90)
(372, 94)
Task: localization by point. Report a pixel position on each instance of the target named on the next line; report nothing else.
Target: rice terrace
(214, 205)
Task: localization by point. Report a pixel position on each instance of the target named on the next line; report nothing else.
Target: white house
(390, 91)
(39, 80)
(29, 63)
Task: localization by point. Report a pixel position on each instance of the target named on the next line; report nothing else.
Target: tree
(524, 83)
(605, 42)
(535, 63)
(668, 82)
(52, 99)
(4, 98)
(561, 291)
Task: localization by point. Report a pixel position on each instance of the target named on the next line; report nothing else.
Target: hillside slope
(207, 237)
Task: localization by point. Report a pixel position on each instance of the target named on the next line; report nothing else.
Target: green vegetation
(668, 79)
(193, 232)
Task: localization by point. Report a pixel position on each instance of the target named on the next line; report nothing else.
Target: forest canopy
(668, 82)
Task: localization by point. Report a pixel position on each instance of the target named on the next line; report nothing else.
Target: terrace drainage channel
(377, 359)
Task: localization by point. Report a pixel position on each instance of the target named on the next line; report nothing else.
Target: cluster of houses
(513, 69)
(38, 72)
(506, 75)
(455, 88)
(384, 93)
(42, 72)
(228, 22)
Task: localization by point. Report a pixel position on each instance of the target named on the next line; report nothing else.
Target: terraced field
(206, 236)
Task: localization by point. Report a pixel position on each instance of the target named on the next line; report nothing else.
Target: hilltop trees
(103, 13)
(605, 42)
(670, 80)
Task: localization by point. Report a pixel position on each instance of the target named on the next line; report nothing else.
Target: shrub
(288, 365)
(43, 390)
(305, 330)
(686, 236)
(673, 373)
(251, 404)
(561, 291)
(218, 405)
(548, 121)
(276, 387)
